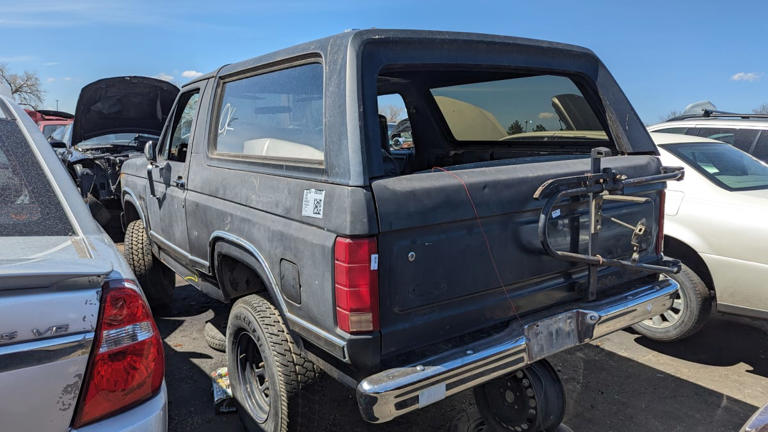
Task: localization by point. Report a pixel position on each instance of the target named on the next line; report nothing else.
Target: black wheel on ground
(270, 378)
(214, 338)
(156, 279)
(690, 310)
(530, 399)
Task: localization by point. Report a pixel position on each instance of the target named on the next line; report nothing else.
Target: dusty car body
(409, 276)
(62, 282)
(715, 224)
(114, 118)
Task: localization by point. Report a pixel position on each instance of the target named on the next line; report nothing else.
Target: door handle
(179, 182)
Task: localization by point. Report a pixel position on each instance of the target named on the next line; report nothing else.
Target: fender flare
(130, 197)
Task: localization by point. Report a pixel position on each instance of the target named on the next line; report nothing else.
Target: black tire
(156, 279)
(531, 399)
(270, 378)
(214, 338)
(692, 308)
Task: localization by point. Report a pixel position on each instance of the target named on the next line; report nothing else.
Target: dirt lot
(622, 383)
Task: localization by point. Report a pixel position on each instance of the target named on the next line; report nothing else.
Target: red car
(49, 120)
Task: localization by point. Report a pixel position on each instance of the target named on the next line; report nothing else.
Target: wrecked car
(114, 119)
(462, 261)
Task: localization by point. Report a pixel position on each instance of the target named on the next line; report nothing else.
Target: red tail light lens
(660, 235)
(127, 362)
(356, 284)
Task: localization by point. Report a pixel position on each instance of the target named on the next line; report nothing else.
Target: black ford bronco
(522, 218)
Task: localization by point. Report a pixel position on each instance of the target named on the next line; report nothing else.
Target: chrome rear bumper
(394, 392)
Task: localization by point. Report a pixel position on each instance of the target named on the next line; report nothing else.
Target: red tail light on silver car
(127, 362)
(356, 284)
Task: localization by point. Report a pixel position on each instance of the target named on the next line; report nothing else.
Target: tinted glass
(724, 165)
(742, 139)
(761, 149)
(534, 108)
(28, 205)
(274, 115)
(677, 130)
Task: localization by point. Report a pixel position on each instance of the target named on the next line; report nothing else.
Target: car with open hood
(114, 118)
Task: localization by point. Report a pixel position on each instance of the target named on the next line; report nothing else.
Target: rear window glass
(28, 205)
(724, 165)
(531, 108)
(274, 115)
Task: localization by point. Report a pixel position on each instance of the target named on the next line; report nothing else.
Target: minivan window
(529, 108)
(723, 165)
(28, 204)
(275, 115)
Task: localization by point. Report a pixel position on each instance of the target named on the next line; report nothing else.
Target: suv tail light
(356, 281)
(660, 235)
(127, 363)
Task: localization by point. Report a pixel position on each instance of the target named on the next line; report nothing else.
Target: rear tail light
(356, 281)
(127, 362)
(660, 235)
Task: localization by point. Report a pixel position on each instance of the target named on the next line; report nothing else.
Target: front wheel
(269, 376)
(156, 279)
(690, 310)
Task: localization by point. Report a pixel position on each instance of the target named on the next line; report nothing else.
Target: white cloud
(52, 63)
(164, 76)
(546, 115)
(17, 59)
(67, 78)
(191, 74)
(50, 80)
(746, 76)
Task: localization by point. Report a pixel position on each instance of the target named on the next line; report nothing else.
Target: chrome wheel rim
(670, 317)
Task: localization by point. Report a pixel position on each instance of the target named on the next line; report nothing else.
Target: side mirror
(149, 151)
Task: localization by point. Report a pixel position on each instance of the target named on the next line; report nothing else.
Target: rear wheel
(690, 310)
(531, 399)
(268, 374)
(155, 278)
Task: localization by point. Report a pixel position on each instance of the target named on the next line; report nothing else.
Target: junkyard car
(451, 266)
(50, 121)
(114, 118)
(715, 224)
(79, 350)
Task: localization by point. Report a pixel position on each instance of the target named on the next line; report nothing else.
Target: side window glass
(742, 139)
(761, 149)
(677, 130)
(276, 115)
(394, 125)
(176, 144)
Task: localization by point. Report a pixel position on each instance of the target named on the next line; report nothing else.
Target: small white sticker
(312, 205)
(431, 395)
(374, 261)
(555, 213)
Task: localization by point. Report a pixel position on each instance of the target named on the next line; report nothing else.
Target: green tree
(515, 128)
(539, 128)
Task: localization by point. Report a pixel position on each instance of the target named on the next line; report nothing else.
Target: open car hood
(130, 104)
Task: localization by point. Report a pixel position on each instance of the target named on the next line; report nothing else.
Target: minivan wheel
(156, 279)
(690, 310)
(269, 376)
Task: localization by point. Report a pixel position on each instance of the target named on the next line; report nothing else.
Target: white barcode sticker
(374, 261)
(312, 204)
(555, 213)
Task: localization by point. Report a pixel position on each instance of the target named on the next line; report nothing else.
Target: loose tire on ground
(214, 338)
(688, 314)
(156, 279)
(271, 381)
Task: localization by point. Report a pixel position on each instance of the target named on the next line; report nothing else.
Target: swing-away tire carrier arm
(590, 185)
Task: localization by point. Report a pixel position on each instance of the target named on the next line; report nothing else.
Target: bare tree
(762, 109)
(25, 87)
(669, 115)
(392, 113)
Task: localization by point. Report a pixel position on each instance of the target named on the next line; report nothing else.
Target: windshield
(28, 205)
(119, 139)
(529, 108)
(724, 165)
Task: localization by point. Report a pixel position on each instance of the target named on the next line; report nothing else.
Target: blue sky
(664, 54)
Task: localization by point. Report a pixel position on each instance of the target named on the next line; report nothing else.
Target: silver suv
(747, 132)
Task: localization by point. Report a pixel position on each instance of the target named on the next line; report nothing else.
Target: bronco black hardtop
(522, 216)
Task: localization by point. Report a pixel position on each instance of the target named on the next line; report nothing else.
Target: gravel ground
(712, 382)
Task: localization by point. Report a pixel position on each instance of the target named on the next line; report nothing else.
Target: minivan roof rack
(717, 114)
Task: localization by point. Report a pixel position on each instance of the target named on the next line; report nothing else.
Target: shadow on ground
(606, 392)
